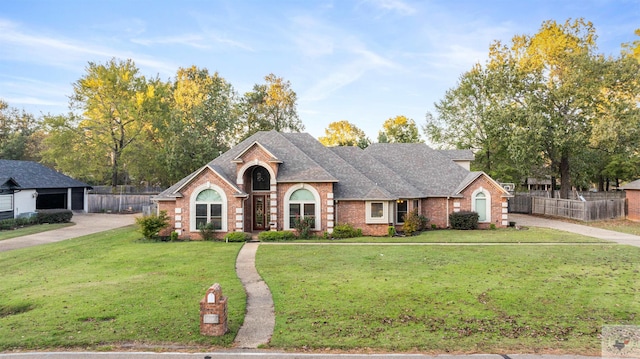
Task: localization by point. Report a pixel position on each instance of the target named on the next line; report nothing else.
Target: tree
(20, 134)
(270, 106)
(548, 100)
(202, 124)
(344, 133)
(473, 116)
(116, 104)
(399, 129)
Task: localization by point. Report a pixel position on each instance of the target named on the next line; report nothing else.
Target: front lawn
(504, 235)
(618, 225)
(452, 299)
(110, 289)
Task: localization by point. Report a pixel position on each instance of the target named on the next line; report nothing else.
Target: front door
(260, 212)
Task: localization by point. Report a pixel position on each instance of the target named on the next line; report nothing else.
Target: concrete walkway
(535, 221)
(85, 223)
(260, 318)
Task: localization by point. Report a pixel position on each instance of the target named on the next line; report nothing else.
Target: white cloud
(57, 51)
(397, 6)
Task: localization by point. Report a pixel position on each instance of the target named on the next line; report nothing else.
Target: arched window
(260, 179)
(302, 202)
(481, 203)
(208, 206)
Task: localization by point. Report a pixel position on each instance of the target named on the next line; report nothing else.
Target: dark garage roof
(33, 175)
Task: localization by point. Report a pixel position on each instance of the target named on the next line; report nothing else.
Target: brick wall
(499, 215)
(354, 212)
(633, 203)
(324, 190)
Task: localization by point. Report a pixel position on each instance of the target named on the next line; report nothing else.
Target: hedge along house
(27, 186)
(272, 178)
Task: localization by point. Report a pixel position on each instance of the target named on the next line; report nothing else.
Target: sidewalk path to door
(85, 223)
(535, 221)
(260, 318)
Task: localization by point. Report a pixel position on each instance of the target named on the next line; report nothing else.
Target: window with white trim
(302, 204)
(481, 204)
(208, 205)
(6, 203)
(377, 212)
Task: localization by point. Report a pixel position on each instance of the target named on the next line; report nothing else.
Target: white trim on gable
(197, 173)
(238, 158)
(464, 186)
(255, 162)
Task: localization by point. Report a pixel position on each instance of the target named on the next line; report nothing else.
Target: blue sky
(363, 61)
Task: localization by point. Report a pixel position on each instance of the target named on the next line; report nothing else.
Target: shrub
(345, 230)
(492, 226)
(237, 237)
(433, 226)
(271, 236)
(391, 231)
(412, 223)
(464, 220)
(174, 236)
(423, 222)
(207, 232)
(7, 224)
(54, 216)
(151, 225)
(303, 226)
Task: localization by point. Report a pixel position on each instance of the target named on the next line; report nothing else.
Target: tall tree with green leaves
(548, 100)
(344, 133)
(399, 129)
(270, 106)
(20, 134)
(117, 105)
(203, 121)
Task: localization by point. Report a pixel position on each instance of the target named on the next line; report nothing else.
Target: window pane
(481, 208)
(309, 209)
(302, 195)
(200, 222)
(401, 211)
(261, 179)
(377, 210)
(208, 195)
(216, 210)
(294, 214)
(217, 223)
(201, 210)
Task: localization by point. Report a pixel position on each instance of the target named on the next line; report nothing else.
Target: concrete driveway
(535, 221)
(85, 223)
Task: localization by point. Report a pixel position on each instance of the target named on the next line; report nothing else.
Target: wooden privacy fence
(580, 210)
(99, 203)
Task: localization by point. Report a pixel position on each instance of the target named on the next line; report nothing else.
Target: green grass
(32, 230)
(506, 235)
(619, 225)
(474, 299)
(109, 289)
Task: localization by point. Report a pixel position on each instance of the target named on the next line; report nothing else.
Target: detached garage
(30, 186)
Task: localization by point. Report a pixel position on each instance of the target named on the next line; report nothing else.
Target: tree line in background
(125, 128)
(548, 104)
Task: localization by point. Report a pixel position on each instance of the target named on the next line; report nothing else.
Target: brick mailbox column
(213, 312)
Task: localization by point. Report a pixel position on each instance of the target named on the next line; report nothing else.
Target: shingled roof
(33, 175)
(383, 171)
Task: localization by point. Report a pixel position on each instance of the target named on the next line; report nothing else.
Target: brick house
(632, 192)
(271, 178)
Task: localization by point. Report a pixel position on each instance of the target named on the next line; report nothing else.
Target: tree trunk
(600, 183)
(553, 187)
(607, 188)
(565, 179)
(114, 169)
